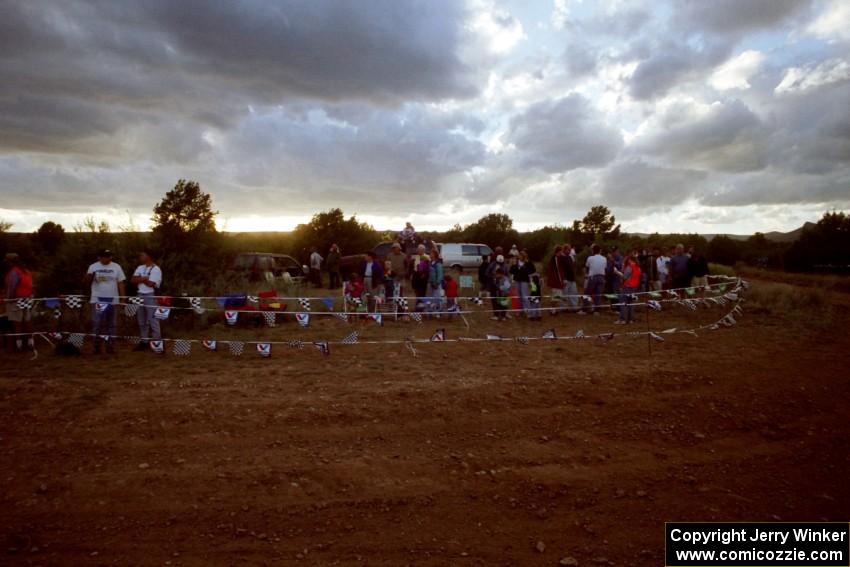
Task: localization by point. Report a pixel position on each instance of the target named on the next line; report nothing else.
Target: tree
(599, 222)
(184, 210)
(49, 237)
(5, 226)
(495, 229)
(331, 227)
(822, 247)
(724, 250)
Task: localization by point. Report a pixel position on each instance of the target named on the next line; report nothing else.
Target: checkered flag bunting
(522, 340)
(416, 316)
(77, 339)
(131, 310)
(305, 303)
(26, 303)
(74, 301)
(236, 348)
(136, 300)
(402, 303)
(350, 339)
(476, 300)
(270, 318)
(341, 316)
(197, 306)
(182, 347)
(296, 344)
(534, 299)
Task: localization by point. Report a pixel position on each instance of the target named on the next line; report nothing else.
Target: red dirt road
(470, 454)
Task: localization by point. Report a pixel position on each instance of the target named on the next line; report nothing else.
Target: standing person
(372, 273)
(498, 263)
(421, 271)
(501, 297)
(698, 269)
(408, 234)
(555, 276)
(148, 280)
(398, 264)
(332, 264)
(19, 286)
(617, 268)
(522, 271)
(568, 266)
(451, 293)
(107, 287)
(662, 269)
(679, 273)
(594, 283)
(316, 267)
(435, 280)
(647, 269)
(631, 283)
(513, 252)
(483, 280)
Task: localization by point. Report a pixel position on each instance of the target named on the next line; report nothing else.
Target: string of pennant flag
(184, 346)
(269, 308)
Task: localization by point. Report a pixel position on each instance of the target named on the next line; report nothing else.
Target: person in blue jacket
(436, 277)
(372, 273)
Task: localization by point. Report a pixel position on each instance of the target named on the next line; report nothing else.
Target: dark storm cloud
(638, 184)
(563, 134)
(725, 137)
(733, 17)
(79, 71)
(700, 36)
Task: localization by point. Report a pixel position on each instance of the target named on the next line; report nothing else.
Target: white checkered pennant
(305, 303)
(236, 348)
(74, 301)
(132, 306)
(26, 303)
(77, 339)
(269, 316)
(182, 347)
(402, 303)
(350, 339)
(196, 304)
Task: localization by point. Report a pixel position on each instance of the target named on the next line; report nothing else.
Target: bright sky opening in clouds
(721, 116)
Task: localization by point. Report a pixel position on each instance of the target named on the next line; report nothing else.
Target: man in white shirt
(107, 287)
(316, 267)
(148, 279)
(594, 284)
(662, 267)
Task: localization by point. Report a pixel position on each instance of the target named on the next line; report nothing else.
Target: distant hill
(773, 235)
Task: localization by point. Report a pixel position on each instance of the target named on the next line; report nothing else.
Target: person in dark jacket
(483, 280)
(698, 270)
(372, 273)
(332, 265)
(522, 272)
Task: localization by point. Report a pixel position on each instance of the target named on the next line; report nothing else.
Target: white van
(464, 255)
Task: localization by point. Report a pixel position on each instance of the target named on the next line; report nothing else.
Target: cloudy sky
(709, 116)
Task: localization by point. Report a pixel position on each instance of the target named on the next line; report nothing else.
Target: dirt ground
(468, 454)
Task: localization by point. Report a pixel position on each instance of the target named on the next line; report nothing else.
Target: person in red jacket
(18, 286)
(631, 284)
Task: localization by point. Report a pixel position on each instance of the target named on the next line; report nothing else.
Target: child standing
(451, 293)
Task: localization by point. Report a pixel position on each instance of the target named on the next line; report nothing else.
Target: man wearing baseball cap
(18, 286)
(107, 287)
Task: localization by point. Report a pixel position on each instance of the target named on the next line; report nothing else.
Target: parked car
(352, 262)
(463, 255)
(268, 266)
